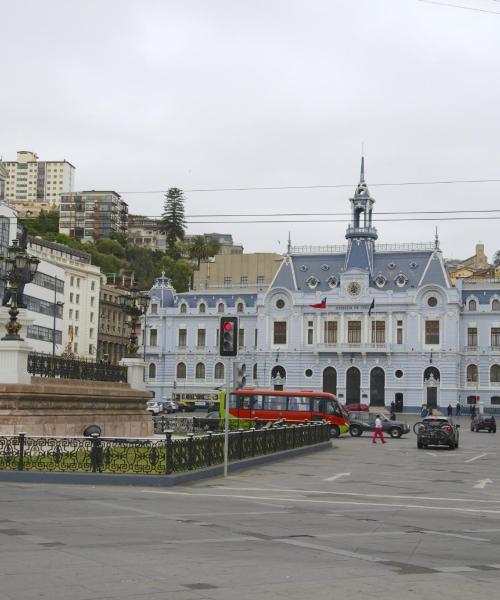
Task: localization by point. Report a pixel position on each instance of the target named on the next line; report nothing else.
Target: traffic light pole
(229, 370)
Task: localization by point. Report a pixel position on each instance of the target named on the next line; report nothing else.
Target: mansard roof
(419, 267)
(482, 296)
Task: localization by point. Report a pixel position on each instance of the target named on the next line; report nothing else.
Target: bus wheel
(334, 431)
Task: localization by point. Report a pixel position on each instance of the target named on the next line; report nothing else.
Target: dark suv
(484, 422)
(437, 431)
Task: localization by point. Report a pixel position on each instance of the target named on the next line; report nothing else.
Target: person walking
(393, 406)
(378, 430)
(458, 409)
(450, 410)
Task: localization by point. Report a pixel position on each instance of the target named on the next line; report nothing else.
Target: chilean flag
(322, 304)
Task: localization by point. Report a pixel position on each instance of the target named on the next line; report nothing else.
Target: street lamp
(135, 305)
(19, 269)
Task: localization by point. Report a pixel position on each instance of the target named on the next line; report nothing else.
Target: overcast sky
(147, 95)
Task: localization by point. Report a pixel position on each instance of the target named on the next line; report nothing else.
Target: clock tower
(361, 234)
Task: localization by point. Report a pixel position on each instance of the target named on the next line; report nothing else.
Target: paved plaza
(358, 520)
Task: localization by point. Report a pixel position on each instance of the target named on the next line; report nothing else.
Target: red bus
(273, 405)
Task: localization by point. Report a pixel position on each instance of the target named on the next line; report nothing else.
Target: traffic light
(239, 375)
(228, 337)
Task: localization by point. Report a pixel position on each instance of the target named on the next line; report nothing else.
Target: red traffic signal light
(228, 336)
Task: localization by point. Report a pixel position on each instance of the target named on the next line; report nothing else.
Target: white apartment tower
(33, 185)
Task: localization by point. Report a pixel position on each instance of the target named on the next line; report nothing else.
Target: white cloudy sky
(144, 95)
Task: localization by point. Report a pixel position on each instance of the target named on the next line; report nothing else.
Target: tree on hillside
(110, 247)
(202, 248)
(173, 222)
(496, 258)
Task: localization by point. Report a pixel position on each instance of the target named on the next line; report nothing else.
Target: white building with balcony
(372, 323)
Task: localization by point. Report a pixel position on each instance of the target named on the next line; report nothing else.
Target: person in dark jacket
(450, 410)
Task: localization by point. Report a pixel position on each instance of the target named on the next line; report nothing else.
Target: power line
(449, 5)
(327, 214)
(316, 187)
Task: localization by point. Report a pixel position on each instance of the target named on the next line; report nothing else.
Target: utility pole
(229, 370)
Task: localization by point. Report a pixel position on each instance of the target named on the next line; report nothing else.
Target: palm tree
(202, 248)
(173, 222)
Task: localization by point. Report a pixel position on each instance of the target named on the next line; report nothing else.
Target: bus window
(299, 403)
(274, 402)
(332, 408)
(318, 405)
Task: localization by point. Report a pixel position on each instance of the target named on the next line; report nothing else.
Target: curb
(156, 480)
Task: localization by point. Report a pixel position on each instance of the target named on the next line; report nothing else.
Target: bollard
(190, 437)
(253, 434)
(240, 443)
(22, 440)
(169, 459)
(209, 449)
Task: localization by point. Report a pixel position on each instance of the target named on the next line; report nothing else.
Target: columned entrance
(377, 387)
(330, 380)
(353, 385)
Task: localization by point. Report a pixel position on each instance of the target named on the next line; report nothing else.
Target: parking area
(357, 520)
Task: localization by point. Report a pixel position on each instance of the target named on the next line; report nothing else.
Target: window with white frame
(200, 371)
(330, 332)
(310, 332)
(471, 374)
(201, 339)
(399, 331)
(279, 332)
(495, 337)
(472, 337)
(219, 371)
(182, 338)
(153, 337)
(378, 332)
(354, 332)
(495, 374)
(432, 333)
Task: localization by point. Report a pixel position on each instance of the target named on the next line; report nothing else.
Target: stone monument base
(65, 407)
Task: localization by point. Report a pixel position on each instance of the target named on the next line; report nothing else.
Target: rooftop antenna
(436, 239)
(289, 244)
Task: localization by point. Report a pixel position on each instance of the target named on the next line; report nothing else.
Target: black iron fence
(150, 456)
(46, 365)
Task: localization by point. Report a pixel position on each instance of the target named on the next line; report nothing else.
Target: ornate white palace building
(393, 328)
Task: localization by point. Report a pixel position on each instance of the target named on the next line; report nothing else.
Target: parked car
(170, 406)
(154, 407)
(357, 407)
(484, 422)
(437, 431)
(362, 422)
(185, 406)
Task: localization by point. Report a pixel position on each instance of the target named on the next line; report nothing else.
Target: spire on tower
(289, 244)
(362, 174)
(436, 239)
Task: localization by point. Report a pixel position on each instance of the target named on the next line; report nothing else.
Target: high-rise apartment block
(33, 185)
(92, 215)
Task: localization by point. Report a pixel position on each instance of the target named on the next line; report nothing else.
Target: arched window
(495, 374)
(220, 307)
(472, 374)
(219, 371)
(495, 305)
(200, 371)
(203, 307)
(183, 308)
(152, 371)
(472, 305)
(254, 374)
(240, 307)
(181, 371)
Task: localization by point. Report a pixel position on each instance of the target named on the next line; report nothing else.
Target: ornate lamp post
(19, 269)
(135, 305)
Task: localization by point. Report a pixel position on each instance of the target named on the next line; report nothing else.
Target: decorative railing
(46, 365)
(342, 248)
(150, 456)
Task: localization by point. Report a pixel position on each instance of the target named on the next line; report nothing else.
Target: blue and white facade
(393, 328)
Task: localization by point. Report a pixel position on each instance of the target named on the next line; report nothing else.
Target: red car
(357, 407)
